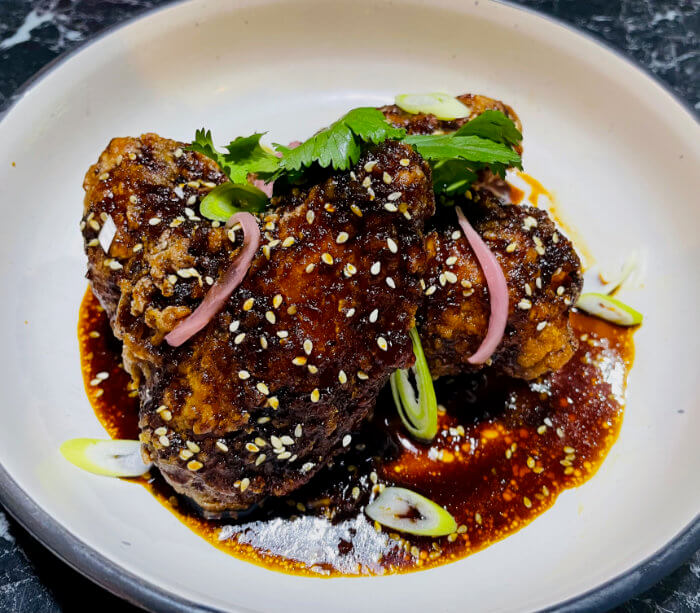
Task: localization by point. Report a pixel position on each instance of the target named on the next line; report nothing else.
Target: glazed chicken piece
(542, 270)
(544, 279)
(264, 396)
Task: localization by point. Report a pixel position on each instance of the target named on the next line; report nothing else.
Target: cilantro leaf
(493, 125)
(244, 156)
(451, 176)
(436, 147)
(339, 145)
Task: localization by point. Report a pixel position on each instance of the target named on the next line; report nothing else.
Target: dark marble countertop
(661, 35)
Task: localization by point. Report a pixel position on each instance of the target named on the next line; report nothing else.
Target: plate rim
(114, 578)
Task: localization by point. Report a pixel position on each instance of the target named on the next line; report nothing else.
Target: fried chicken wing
(273, 387)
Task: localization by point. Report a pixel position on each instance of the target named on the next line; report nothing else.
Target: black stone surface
(662, 35)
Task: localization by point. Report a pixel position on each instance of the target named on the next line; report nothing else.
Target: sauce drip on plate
(505, 450)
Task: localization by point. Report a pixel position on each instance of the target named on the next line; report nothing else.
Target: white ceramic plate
(621, 154)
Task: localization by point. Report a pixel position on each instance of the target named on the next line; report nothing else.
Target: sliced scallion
(418, 414)
(610, 309)
(229, 198)
(112, 458)
(406, 511)
(442, 105)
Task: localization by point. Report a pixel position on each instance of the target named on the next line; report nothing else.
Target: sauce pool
(504, 451)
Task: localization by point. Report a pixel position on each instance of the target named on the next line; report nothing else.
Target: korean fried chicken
(542, 270)
(257, 402)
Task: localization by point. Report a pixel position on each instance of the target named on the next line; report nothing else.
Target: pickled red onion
(498, 292)
(223, 288)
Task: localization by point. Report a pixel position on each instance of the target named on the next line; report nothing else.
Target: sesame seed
(166, 415)
(310, 268)
(560, 433)
(367, 181)
(307, 467)
(560, 290)
(538, 282)
(160, 431)
(277, 301)
(252, 447)
(327, 258)
(154, 221)
(541, 429)
(276, 442)
(529, 222)
(524, 304)
(393, 247)
(298, 430)
(270, 316)
(222, 446)
(282, 334)
(260, 442)
(194, 465)
(342, 377)
(263, 341)
(284, 455)
(456, 234)
(273, 402)
(387, 178)
(350, 313)
(555, 238)
(263, 389)
(346, 440)
(530, 462)
(244, 484)
(239, 338)
(511, 247)
(288, 242)
(94, 242)
(260, 459)
(393, 196)
(243, 374)
(299, 361)
(376, 268)
(442, 279)
(450, 276)
(431, 290)
(185, 454)
(349, 270)
(310, 216)
(308, 347)
(541, 326)
(451, 260)
(312, 369)
(191, 200)
(390, 283)
(381, 341)
(263, 420)
(527, 502)
(329, 207)
(373, 315)
(404, 161)
(287, 440)
(569, 450)
(370, 165)
(356, 209)
(248, 304)
(233, 326)
(193, 447)
(137, 247)
(342, 238)
(133, 199)
(315, 395)
(363, 376)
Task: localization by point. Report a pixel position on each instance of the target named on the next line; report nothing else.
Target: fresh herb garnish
(493, 125)
(339, 145)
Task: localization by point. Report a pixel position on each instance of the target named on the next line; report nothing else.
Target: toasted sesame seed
(310, 267)
(370, 165)
(393, 196)
(527, 502)
(541, 429)
(248, 304)
(511, 247)
(299, 361)
(275, 442)
(273, 402)
(363, 376)
(375, 268)
(387, 178)
(538, 282)
(350, 312)
(431, 290)
(367, 181)
(456, 234)
(451, 260)
(154, 221)
(315, 395)
(560, 432)
(287, 440)
(342, 238)
(244, 484)
(329, 207)
(310, 216)
(529, 222)
(252, 447)
(373, 315)
(262, 388)
(260, 459)
(307, 467)
(260, 442)
(327, 258)
(222, 446)
(312, 369)
(524, 304)
(541, 326)
(239, 338)
(356, 209)
(282, 333)
(194, 465)
(137, 247)
(342, 377)
(193, 447)
(555, 238)
(285, 455)
(390, 283)
(569, 450)
(404, 161)
(185, 454)
(528, 289)
(298, 430)
(270, 316)
(560, 290)
(381, 341)
(133, 199)
(263, 341)
(349, 270)
(308, 347)
(346, 440)
(243, 374)
(233, 326)
(450, 276)
(393, 247)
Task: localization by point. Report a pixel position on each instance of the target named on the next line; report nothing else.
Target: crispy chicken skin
(542, 270)
(544, 279)
(273, 387)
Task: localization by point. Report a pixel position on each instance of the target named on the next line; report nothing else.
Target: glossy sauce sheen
(505, 450)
